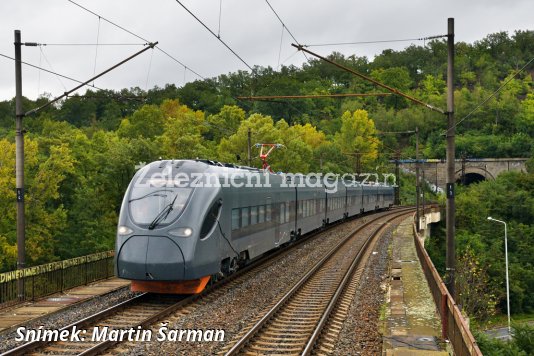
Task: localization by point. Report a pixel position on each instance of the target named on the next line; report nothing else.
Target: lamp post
(507, 280)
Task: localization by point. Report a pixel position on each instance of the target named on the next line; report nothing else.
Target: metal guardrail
(50, 278)
(453, 325)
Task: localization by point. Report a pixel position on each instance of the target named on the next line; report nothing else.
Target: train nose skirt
(150, 258)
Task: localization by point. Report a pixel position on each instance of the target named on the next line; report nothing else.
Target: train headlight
(181, 232)
(124, 230)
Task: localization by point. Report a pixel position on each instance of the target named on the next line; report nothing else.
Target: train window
(147, 202)
(253, 215)
(268, 212)
(235, 219)
(211, 219)
(244, 217)
(287, 212)
(261, 214)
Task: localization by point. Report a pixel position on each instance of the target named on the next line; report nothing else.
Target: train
(184, 223)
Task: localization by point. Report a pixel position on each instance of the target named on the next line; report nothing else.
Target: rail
(40, 281)
(307, 304)
(124, 313)
(453, 325)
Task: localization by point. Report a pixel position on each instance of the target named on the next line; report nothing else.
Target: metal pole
(397, 179)
(249, 144)
(450, 216)
(417, 180)
(19, 165)
(507, 278)
(423, 183)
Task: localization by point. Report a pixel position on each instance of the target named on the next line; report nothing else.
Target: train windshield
(146, 203)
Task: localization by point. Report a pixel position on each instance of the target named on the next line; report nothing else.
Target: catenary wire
(58, 74)
(220, 15)
(283, 24)
(149, 67)
(490, 96)
(377, 41)
(215, 35)
(52, 68)
(96, 47)
(135, 35)
(39, 74)
(92, 44)
(280, 49)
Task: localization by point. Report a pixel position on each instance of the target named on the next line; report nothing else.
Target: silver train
(186, 222)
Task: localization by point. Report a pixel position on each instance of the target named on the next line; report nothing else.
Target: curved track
(146, 309)
(304, 319)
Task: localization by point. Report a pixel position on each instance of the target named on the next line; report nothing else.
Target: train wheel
(229, 266)
(234, 265)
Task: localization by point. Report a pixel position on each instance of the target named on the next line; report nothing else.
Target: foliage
(509, 198)
(357, 139)
(522, 343)
(475, 295)
(81, 153)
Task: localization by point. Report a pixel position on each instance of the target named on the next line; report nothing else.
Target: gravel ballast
(238, 304)
(360, 334)
(67, 316)
(242, 302)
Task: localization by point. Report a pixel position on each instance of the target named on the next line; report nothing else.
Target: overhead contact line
(284, 27)
(377, 41)
(152, 45)
(215, 35)
(318, 96)
(376, 82)
(136, 35)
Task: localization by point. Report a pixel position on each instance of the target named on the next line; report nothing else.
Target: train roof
(189, 166)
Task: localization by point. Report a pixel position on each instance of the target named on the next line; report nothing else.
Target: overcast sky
(247, 26)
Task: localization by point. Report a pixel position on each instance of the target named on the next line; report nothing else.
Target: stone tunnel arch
(473, 175)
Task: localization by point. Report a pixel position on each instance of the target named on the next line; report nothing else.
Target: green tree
(182, 135)
(357, 138)
(146, 122)
(226, 122)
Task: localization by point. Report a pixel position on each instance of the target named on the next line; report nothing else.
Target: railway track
(310, 315)
(143, 311)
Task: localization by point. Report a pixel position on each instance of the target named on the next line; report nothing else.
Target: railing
(453, 325)
(43, 280)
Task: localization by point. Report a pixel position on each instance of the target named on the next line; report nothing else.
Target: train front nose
(150, 258)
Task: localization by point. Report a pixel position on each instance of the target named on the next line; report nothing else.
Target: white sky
(248, 26)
